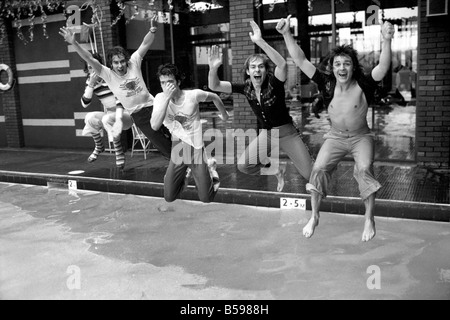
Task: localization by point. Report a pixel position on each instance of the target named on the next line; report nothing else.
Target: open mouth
(257, 78)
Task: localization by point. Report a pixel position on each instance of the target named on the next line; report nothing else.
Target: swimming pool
(58, 244)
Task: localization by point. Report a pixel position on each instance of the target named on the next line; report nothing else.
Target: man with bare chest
(348, 109)
(347, 91)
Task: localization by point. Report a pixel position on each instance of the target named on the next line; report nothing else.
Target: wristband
(88, 92)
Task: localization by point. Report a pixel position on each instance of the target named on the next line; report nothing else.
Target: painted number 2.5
(292, 203)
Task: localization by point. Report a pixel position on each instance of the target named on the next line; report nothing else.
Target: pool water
(61, 244)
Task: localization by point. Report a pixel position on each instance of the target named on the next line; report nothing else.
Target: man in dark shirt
(266, 96)
(347, 92)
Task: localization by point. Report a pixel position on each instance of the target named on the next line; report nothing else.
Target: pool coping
(342, 205)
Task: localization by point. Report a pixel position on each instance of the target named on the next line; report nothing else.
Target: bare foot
(369, 230)
(308, 230)
(280, 176)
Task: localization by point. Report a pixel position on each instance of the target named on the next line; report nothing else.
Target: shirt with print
(272, 112)
(129, 89)
(183, 120)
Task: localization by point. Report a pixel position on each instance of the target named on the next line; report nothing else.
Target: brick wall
(241, 12)
(433, 106)
(10, 99)
(109, 33)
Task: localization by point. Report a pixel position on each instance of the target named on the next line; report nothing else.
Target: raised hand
(215, 57)
(256, 35)
(284, 25)
(93, 78)
(67, 34)
(169, 90)
(387, 31)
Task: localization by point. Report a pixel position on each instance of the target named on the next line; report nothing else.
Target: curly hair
(170, 69)
(346, 50)
(116, 51)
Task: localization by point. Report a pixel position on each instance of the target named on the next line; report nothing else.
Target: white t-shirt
(183, 120)
(129, 89)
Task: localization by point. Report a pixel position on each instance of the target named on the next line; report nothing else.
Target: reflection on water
(394, 127)
(394, 120)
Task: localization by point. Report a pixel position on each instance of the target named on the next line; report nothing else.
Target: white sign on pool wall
(292, 203)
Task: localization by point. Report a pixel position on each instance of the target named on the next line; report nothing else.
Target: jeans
(254, 159)
(176, 173)
(161, 138)
(337, 145)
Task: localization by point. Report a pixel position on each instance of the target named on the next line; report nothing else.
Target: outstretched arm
(380, 71)
(147, 42)
(215, 61)
(284, 27)
(69, 37)
(214, 98)
(275, 56)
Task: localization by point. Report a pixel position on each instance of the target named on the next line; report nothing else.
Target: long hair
(115, 51)
(266, 61)
(170, 69)
(346, 50)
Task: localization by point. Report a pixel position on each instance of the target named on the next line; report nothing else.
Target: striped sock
(120, 155)
(99, 147)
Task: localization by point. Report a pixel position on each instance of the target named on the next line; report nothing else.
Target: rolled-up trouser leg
(330, 154)
(362, 152)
